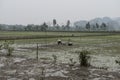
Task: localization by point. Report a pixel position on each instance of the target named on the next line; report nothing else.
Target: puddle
(1, 65)
(4, 51)
(10, 72)
(96, 79)
(57, 74)
(105, 61)
(17, 60)
(14, 79)
(31, 79)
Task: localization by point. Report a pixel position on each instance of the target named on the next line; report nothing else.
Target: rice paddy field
(104, 48)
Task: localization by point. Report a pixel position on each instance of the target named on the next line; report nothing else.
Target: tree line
(54, 27)
(96, 27)
(31, 27)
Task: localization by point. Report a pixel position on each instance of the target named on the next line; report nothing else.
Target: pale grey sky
(38, 11)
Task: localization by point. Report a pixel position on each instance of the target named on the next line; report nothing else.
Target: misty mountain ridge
(112, 23)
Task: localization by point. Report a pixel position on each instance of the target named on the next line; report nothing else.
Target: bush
(84, 58)
(72, 63)
(54, 59)
(6, 46)
(1, 47)
(10, 50)
(43, 73)
(117, 62)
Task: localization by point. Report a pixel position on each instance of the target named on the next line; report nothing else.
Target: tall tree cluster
(96, 27)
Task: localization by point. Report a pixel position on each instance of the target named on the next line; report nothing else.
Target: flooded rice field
(17, 68)
(22, 65)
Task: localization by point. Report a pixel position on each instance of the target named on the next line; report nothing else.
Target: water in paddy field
(98, 60)
(101, 59)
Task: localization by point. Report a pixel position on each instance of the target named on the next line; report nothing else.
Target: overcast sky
(38, 11)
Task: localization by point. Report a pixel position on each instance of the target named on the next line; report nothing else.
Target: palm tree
(54, 22)
(68, 25)
(88, 26)
(97, 26)
(103, 26)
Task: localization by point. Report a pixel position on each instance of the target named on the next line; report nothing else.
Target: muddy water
(27, 69)
(104, 61)
(98, 60)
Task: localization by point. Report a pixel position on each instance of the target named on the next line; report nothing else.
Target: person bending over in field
(59, 42)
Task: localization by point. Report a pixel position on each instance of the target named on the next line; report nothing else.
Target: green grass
(113, 41)
(12, 33)
(109, 44)
(82, 37)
